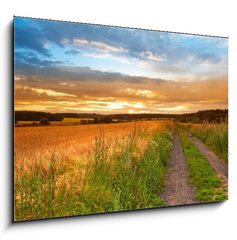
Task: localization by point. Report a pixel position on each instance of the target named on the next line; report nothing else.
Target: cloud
(55, 70)
(30, 37)
(141, 47)
(29, 59)
(48, 92)
(153, 57)
(112, 92)
(138, 92)
(118, 58)
(60, 67)
(99, 46)
(72, 52)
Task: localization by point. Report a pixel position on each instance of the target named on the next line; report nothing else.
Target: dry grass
(53, 164)
(75, 120)
(68, 143)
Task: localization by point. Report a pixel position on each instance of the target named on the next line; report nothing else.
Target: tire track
(217, 164)
(177, 189)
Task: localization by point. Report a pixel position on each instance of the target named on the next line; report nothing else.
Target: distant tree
(34, 124)
(208, 116)
(83, 121)
(44, 121)
(107, 120)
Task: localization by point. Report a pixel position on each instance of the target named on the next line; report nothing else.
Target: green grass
(208, 185)
(136, 181)
(215, 136)
(126, 178)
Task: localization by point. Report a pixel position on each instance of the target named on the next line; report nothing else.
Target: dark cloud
(30, 37)
(72, 52)
(29, 62)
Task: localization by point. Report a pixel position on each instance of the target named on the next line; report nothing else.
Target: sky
(84, 68)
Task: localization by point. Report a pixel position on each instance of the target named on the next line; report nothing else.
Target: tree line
(209, 116)
(216, 116)
(36, 116)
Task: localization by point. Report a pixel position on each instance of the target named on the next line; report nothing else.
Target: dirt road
(178, 191)
(217, 164)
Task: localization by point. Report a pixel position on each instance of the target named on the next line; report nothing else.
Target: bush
(44, 121)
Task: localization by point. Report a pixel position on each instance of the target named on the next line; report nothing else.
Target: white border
(212, 221)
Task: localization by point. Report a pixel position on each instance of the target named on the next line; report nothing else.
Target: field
(64, 122)
(82, 169)
(64, 170)
(110, 120)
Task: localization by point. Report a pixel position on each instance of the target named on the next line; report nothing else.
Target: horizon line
(106, 114)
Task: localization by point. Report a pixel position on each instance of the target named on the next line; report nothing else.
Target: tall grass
(128, 174)
(215, 136)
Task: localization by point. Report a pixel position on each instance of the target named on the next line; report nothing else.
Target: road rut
(177, 189)
(217, 164)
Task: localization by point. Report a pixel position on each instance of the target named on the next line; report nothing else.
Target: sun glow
(174, 109)
(115, 106)
(139, 92)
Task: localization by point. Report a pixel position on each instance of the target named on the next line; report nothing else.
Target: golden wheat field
(71, 144)
(34, 144)
(56, 167)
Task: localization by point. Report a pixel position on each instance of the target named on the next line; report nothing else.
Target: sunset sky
(72, 67)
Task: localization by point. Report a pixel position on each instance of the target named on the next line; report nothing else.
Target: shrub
(44, 121)
(34, 124)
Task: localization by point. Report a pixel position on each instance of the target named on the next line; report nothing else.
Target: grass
(64, 122)
(131, 180)
(75, 120)
(209, 186)
(124, 174)
(215, 136)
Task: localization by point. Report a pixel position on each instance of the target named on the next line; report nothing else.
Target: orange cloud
(148, 95)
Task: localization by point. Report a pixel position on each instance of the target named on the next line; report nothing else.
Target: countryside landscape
(111, 119)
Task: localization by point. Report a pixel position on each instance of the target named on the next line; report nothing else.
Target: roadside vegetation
(209, 186)
(124, 173)
(215, 136)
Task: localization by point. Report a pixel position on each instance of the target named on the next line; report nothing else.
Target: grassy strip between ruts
(209, 185)
(123, 180)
